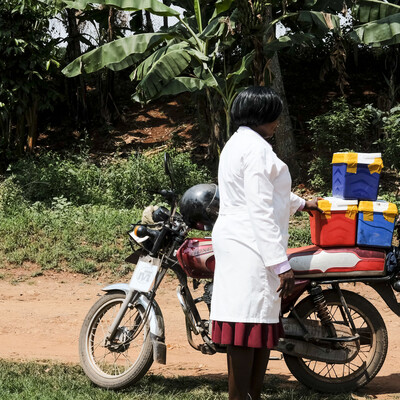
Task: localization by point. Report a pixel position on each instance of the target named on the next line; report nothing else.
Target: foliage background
(73, 163)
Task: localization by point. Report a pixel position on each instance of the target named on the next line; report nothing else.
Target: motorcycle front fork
(130, 298)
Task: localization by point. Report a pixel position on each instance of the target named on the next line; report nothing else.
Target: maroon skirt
(247, 334)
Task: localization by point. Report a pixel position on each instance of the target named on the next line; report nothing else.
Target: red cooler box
(337, 226)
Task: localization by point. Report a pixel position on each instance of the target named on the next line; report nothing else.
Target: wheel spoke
(124, 351)
(362, 352)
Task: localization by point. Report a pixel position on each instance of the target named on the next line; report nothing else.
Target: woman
(250, 238)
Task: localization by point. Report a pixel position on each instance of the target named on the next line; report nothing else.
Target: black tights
(246, 370)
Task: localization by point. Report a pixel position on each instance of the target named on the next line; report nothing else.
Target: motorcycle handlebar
(168, 194)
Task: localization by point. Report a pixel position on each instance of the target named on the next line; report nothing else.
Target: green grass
(38, 381)
(70, 213)
(83, 239)
(299, 230)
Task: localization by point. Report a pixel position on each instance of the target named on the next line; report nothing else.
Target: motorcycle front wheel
(128, 357)
(373, 344)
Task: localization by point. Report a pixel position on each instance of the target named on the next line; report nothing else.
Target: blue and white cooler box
(376, 223)
(355, 176)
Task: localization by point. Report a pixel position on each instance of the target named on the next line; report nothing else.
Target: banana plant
(179, 59)
(379, 23)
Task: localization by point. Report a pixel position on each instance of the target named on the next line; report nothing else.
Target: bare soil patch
(41, 316)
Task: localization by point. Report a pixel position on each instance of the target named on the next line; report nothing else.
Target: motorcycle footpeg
(206, 349)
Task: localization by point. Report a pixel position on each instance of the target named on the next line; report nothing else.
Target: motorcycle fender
(157, 328)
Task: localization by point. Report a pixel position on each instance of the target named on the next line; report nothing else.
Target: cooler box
(356, 175)
(337, 225)
(376, 223)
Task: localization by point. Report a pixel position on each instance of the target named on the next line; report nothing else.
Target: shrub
(69, 213)
(116, 182)
(343, 128)
(391, 138)
(11, 197)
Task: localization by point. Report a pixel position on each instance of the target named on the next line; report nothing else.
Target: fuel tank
(318, 262)
(196, 257)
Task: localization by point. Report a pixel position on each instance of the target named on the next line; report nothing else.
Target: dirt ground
(41, 317)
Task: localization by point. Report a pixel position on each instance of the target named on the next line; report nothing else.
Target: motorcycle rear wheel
(128, 358)
(337, 378)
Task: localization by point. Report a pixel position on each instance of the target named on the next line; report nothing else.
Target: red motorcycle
(335, 340)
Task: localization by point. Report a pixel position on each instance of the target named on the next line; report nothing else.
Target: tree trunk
(76, 87)
(106, 86)
(149, 23)
(32, 122)
(216, 142)
(5, 135)
(284, 138)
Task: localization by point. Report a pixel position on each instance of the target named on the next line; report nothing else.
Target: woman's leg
(240, 369)
(260, 362)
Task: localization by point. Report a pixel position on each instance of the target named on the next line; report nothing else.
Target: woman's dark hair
(256, 106)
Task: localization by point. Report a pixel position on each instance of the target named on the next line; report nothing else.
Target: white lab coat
(251, 232)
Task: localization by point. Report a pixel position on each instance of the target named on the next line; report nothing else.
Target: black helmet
(199, 206)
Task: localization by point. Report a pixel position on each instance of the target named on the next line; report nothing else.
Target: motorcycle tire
(130, 356)
(337, 378)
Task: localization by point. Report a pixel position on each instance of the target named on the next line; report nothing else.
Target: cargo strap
(346, 158)
(376, 166)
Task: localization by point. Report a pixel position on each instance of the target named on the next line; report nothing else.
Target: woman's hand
(312, 205)
(287, 284)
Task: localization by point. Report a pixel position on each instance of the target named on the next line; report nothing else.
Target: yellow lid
(329, 204)
(373, 160)
(368, 208)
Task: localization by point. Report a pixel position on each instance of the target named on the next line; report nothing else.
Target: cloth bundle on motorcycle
(355, 176)
(337, 225)
(314, 261)
(375, 223)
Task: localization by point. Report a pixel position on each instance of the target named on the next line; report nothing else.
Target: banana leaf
(385, 31)
(187, 5)
(153, 6)
(163, 71)
(213, 30)
(222, 6)
(325, 5)
(290, 40)
(318, 21)
(242, 70)
(126, 63)
(182, 84)
(114, 53)
(368, 11)
(197, 12)
(141, 71)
